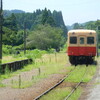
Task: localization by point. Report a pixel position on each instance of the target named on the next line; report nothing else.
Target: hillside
(50, 24)
(9, 12)
(32, 19)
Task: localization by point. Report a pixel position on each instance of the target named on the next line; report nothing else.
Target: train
(82, 46)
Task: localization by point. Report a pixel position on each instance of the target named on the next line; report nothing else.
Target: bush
(7, 49)
(35, 53)
(51, 50)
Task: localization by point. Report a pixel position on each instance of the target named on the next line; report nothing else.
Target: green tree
(97, 23)
(76, 26)
(46, 37)
(11, 22)
(45, 16)
(9, 36)
(51, 21)
(19, 37)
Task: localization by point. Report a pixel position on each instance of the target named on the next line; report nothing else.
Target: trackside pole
(1, 22)
(97, 42)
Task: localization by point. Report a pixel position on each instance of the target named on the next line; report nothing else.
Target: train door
(82, 45)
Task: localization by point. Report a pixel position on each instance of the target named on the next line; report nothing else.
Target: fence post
(1, 67)
(32, 77)
(39, 71)
(19, 81)
(12, 81)
(55, 57)
(50, 59)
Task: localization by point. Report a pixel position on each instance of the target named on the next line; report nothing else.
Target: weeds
(57, 94)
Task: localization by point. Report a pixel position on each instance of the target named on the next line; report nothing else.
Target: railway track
(60, 82)
(53, 87)
(77, 85)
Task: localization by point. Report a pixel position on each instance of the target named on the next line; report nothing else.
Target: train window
(73, 40)
(90, 40)
(81, 40)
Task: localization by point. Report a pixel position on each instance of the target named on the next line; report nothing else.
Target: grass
(29, 54)
(1, 85)
(57, 94)
(77, 74)
(7, 59)
(61, 93)
(90, 73)
(76, 94)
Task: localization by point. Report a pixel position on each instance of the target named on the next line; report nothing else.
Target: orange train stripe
(81, 51)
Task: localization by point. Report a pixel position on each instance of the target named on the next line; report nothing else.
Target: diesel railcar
(82, 45)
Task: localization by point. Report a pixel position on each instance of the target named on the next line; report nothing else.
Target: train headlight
(90, 33)
(73, 33)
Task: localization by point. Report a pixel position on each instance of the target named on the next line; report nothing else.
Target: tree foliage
(13, 27)
(39, 17)
(45, 37)
(11, 22)
(76, 26)
(9, 36)
(47, 18)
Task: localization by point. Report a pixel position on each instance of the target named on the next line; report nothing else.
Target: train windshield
(73, 40)
(81, 40)
(90, 40)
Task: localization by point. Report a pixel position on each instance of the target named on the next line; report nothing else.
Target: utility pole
(98, 30)
(24, 37)
(1, 22)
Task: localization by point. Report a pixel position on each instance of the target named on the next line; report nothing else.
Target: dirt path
(25, 76)
(29, 93)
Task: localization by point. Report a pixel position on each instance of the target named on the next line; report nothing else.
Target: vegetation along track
(37, 98)
(77, 85)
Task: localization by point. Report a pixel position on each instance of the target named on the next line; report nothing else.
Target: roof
(81, 31)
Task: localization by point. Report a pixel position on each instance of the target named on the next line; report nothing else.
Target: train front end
(81, 46)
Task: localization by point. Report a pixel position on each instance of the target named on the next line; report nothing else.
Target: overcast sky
(73, 10)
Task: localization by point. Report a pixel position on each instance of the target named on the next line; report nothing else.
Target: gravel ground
(8, 93)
